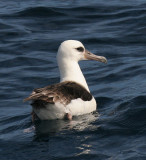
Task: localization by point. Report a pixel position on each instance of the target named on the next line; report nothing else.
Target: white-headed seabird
(70, 97)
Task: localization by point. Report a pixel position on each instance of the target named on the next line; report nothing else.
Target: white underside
(57, 111)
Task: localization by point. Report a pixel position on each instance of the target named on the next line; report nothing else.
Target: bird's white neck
(70, 71)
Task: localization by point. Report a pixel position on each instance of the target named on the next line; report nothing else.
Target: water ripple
(30, 35)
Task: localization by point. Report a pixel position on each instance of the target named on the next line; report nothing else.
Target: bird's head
(75, 50)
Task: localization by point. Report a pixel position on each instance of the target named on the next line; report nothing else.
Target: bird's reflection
(52, 127)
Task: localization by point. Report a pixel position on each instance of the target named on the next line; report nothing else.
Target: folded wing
(62, 92)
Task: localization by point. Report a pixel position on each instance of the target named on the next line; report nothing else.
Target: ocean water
(30, 33)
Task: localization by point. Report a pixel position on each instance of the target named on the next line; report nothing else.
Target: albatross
(71, 97)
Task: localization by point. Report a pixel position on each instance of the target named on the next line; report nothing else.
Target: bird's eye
(80, 49)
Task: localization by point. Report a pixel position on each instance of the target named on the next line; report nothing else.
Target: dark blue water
(30, 33)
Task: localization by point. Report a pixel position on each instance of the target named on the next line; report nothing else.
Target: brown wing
(62, 92)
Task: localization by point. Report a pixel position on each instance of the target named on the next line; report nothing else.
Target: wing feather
(62, 92)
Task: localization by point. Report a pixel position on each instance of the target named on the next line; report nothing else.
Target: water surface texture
(30, 33)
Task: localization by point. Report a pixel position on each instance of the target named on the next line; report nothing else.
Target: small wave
(131, 114)
(6, 120)
(102, 101)
(4, 26)
(19, 61)
(39, 12)
(11, 123)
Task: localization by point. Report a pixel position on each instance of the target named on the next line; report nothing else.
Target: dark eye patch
(80, 49)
